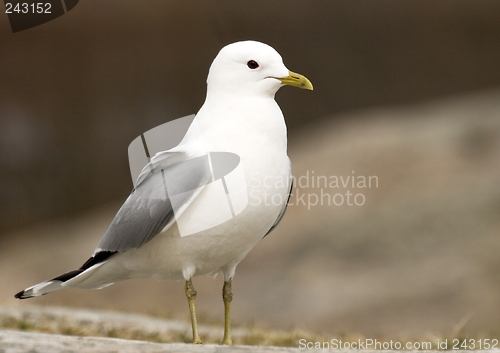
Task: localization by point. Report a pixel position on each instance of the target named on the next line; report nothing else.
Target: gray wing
(283, 210)
(162, 187)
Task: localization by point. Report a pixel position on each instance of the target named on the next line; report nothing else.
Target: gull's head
(251, 68)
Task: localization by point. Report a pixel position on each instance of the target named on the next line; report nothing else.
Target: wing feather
(164, 186)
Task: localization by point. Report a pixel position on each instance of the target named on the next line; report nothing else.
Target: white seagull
(239, 117)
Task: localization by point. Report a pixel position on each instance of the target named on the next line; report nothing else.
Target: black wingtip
(20, 295)
(96, 259)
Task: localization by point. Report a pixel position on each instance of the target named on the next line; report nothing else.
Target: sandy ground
(419, 256)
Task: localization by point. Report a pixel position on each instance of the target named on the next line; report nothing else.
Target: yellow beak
(296, 80)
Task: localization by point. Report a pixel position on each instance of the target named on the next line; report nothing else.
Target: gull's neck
(234, 122)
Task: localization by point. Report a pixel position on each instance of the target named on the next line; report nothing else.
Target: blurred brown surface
(75, 91)
(420, 256)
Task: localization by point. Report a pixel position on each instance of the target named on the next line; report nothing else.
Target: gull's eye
(253, 64)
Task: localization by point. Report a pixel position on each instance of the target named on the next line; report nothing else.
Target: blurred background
(408, 92)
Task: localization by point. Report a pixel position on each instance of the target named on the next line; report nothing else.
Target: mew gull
(174, 236)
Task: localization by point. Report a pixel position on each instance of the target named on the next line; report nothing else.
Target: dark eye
(253, 64)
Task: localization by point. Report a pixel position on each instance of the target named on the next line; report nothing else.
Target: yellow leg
(227, 296)
(191, 296)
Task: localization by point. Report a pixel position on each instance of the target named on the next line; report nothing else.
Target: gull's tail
(69, 279)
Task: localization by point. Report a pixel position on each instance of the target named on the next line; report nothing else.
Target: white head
(251, 68)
